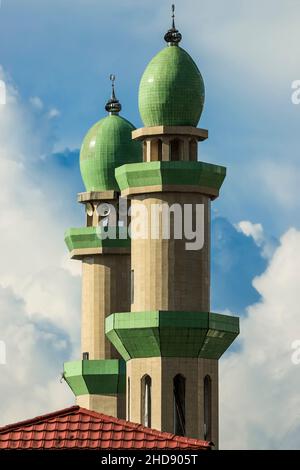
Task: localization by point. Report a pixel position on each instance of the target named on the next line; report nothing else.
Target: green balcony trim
(90, 237)
(96, 377)
(171, 334)
(182, 173)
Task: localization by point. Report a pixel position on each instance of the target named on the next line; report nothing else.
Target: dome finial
(113, 106)
(173, 16)
(173, 36)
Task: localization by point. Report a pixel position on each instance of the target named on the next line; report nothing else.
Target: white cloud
(53, 113)
(36, 103)
(252, 230)
(39, 298)
(2, 93)
(266, 243)
(260, 399)
(281, 180)
(35, 350)
(72, 266)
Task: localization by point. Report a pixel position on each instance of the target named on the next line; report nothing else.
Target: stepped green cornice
(171, 334)
(182, 173)
(90, 237)
(96, 377)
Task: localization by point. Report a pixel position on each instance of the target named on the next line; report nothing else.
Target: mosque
(147, 377)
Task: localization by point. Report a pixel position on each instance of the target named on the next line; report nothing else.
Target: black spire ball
(113, 106)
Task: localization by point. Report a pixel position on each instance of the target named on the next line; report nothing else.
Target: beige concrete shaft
(168, 276)
(111, 405)
(105, 289)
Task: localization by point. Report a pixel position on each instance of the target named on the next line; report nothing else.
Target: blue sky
(63, 52)
(55, 58)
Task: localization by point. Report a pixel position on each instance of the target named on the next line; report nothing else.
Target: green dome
(171, 90)
(107, 145)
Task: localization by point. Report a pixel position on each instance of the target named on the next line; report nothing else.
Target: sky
(55, 59)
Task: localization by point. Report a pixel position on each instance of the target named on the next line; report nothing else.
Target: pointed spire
(112, 78)
(173, 36)
(173, 16)
(113, 106)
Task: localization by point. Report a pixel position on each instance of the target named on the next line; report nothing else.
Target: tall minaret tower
(170, 339)
(98, 379)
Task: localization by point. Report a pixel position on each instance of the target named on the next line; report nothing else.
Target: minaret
(171, 340)
(98, 379)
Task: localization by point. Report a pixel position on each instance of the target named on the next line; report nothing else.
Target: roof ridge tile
(77, 427)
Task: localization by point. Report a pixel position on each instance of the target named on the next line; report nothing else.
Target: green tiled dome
(107, 145)
(171, 90)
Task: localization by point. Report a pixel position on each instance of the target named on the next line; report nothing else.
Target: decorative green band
(136, 175)
(96, 237)
(171, 334)
(96, 377)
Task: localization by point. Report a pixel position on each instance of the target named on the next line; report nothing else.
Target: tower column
(98, 379)
(102, 276)
(170, 339)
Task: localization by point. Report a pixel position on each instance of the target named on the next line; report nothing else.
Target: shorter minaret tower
(170, 339)
(98, 379)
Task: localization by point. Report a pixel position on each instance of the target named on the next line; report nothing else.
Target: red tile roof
(78, 428)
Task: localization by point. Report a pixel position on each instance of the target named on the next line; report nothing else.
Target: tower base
(162, 371)
(111, 405)
(98, 385)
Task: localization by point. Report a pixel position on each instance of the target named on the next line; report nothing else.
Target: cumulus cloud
(39, 297)
(267, 243)
(36, 103)
(35, 351)
(255, 231)
(2, 92)
(53, 113)
(260, 399)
